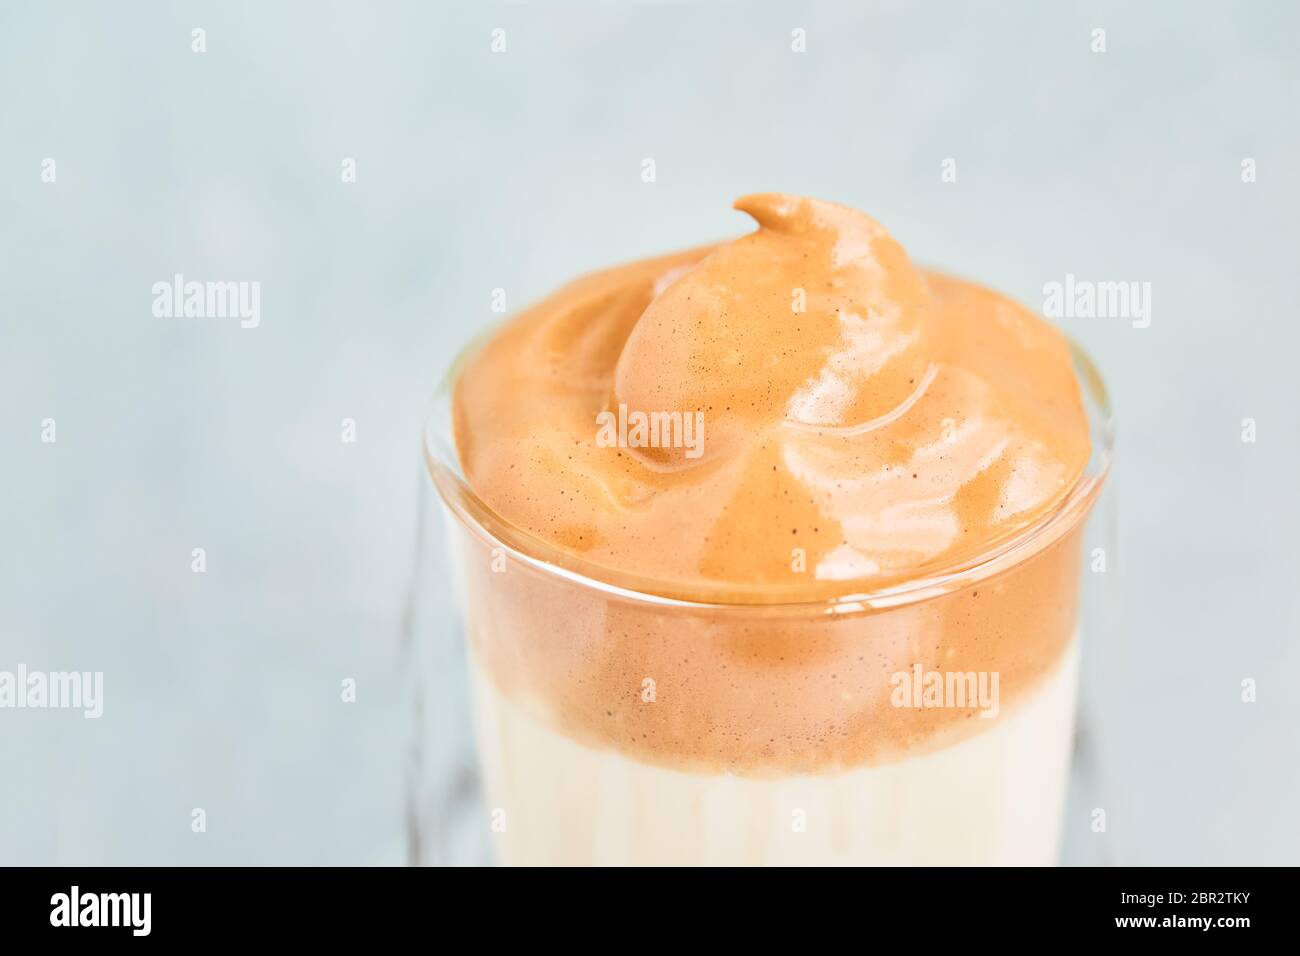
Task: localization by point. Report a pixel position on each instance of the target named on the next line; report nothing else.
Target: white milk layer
(993, 798)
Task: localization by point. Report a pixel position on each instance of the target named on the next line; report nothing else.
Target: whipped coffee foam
(884, 421)
(864, 423)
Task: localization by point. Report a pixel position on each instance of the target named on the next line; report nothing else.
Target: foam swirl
(865, 421)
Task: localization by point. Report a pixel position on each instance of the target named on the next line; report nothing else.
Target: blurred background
(516, 170)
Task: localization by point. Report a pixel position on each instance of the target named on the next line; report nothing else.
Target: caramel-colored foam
(865, 423)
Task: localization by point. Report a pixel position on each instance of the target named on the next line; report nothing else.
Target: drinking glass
(616, 726)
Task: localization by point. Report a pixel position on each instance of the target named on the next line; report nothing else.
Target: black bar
(333, 906)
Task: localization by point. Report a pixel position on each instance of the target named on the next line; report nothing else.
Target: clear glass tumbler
(614, 726)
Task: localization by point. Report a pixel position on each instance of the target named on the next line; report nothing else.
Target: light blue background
(519, 170)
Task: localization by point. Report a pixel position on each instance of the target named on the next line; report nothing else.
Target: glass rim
(442, 462)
